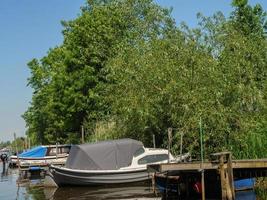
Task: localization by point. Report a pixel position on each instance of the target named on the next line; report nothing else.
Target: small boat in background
(42, 156)
(107, 163)
(244, 184)
(4, 154)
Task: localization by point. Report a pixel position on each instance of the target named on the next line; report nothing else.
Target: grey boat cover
(105, 155)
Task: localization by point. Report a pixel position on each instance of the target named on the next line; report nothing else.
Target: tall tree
(69, 83)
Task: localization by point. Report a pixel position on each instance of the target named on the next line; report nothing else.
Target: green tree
(215, 72)
(69, 83)
(126, 70)
(18, 145)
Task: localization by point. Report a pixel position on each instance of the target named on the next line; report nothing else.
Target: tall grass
(261, 188)
(251, 145)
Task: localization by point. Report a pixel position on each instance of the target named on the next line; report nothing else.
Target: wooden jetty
(222, 164)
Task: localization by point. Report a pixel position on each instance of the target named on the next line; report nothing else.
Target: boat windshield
(153, 159)
(139, 152)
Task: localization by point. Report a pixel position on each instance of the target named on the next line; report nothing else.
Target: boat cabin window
(52, 152)
(153, 159)
(139, 152)
(65, 149)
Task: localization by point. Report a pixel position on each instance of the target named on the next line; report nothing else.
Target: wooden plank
(236, 164)
(182, 166)
(221, 153)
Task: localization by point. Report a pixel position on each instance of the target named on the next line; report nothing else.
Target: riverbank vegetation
(261, 188)
(127, 69)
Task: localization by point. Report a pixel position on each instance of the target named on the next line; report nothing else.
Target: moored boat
(4, 154)
(108, 162)
(42, 156)
(244, 184)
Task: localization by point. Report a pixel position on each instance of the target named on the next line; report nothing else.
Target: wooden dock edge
(226, 167)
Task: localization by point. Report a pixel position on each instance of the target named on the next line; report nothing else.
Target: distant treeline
(19, 145)
(126, 69)
(4, 144)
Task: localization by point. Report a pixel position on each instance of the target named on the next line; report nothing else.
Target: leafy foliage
(126, 70)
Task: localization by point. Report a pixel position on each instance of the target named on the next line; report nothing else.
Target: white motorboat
(108, 162)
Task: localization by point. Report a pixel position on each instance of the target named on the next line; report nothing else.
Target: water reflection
(4, 172)
(8, 187)
(72, 193)
(246, 195)
(96, 193)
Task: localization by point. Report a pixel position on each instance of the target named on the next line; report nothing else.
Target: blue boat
(42, 156)
(244, 184)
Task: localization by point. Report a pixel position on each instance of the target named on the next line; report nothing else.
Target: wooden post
(181, 146)
(169, 142)
(226, 175)
(154, 141)
(16, 146)
(222, 176)
(153, 183)
(228, 188)
(202, 160)
(29, 143)
(230, 176)
(203, 184)
(26, 143)
(82, 134)
(56, 150)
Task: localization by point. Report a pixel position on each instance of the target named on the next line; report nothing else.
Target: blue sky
(28, 28)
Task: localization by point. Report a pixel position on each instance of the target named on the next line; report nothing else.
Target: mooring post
(169, 142)
(29, 143)
(202, 160)
(16, 146)
(82, 134)
(56, 150)
(226, 175)
(153, 183)
(181, 145)
(222, 176)
(230, 175)
(154, 141)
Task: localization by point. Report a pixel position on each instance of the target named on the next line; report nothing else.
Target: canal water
(12, 189)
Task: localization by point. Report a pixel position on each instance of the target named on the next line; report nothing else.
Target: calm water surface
(11, 189)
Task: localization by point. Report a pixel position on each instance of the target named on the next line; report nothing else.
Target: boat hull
(45, 161)
(62, 177)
